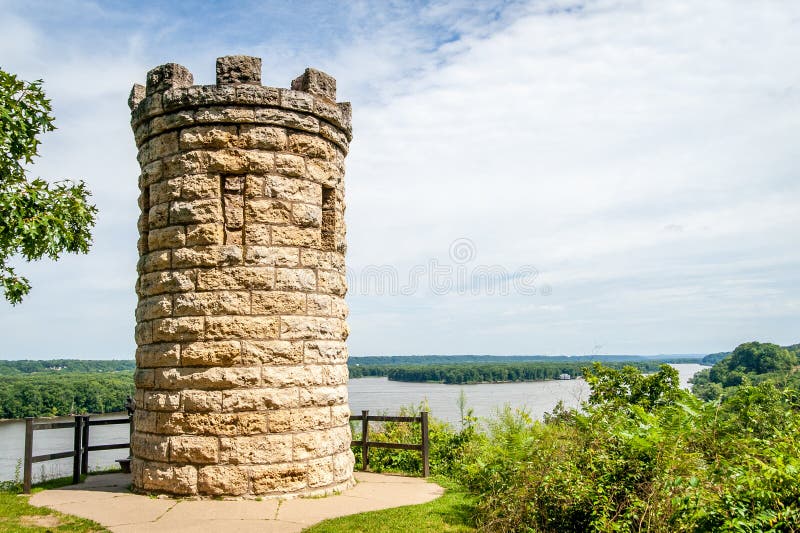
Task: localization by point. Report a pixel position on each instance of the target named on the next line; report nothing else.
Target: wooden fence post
(426, 470)
(85, 445)
(364, 446)
(28, 462)
(76, 449)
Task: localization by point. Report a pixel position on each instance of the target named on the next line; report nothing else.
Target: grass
(18, 516)
(450, 513)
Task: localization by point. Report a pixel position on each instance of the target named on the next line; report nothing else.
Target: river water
(378, 395)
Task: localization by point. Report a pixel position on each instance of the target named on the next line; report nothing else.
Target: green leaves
(37, 219)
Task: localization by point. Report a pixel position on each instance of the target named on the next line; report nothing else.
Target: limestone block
(177, 119)
(304, 419)
(158, 260)
(151, 447)
(233, 206)
(165, 191)
(254, 186)
(214, 378)
(136, 96)
(273, 256)
(178, 329)
(216, 136)
(313, 444)
(340, 414)
(224, 115)
(262, 137)
(219, 353)
(324, 396)
(319, 305)
(320, 472)
(158, 216)
(241, 327)
(257, 95)
(316, 82)
(144, 378)
(154, 307)
(306, 215)
(325, 352)
(259, 399)
(268, 211)
(286, 478)
(238, 69)
(143, 333)
(339, 308)
(290, 165)
(206, 256)
(212, 303)
(343, 465)
(285, 188)
(297, 100)
(195, 211)
(276, 302)
(290, 119)
(310, 146)
(324, 173)
(200, 187)
(222, 480)
(201, 401)
(194, 449)
(205, 234)
(332, 282)
(258, 449)
(185, 164)
(145, 421)
(295, 279)
(171, 479)
(236, 278)
(169, 237)
(274, 352)
(162, 401)
(335, 135)
(158, 355)
(310, 328)
(162, 282)
(258, 234)
(166, 77)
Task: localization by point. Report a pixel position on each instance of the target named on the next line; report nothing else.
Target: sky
(526, 177)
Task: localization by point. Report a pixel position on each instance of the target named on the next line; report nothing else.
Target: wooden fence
(80, 448)
(366, 444)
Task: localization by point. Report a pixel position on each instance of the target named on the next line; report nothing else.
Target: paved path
(106, 500)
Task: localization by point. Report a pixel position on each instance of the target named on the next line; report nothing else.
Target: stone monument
(241, 380)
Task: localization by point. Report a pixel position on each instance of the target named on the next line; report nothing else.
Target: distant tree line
(64, 366)
(59, 394)
(461, 373)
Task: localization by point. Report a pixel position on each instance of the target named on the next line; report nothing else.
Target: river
(378, 395)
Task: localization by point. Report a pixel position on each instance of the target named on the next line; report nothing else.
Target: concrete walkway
(106, 500)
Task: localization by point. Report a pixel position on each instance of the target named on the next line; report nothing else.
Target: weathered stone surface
(238, 69)
(158, 355)
(217, 353)
(258, 449)
(241, 361)
(317, 83)
(285, 478)
(193, 449)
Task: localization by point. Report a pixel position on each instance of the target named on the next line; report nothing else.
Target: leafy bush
(642, 456)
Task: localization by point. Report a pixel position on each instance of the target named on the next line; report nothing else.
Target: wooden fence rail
(366, 444)
(80, 445)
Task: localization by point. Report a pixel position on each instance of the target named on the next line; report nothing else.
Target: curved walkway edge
(105, 499)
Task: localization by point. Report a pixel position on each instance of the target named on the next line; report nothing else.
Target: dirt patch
(46, 520)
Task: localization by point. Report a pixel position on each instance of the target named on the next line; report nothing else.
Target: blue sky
(526, 177)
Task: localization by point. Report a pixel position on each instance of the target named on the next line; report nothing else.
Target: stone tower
(241, 380)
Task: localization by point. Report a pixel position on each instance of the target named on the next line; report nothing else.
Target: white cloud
(575, 139)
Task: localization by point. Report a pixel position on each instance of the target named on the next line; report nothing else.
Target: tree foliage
(37, 218)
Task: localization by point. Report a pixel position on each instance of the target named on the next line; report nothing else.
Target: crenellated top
(170, 100)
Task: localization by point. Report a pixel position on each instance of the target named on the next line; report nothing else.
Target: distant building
(564, 376)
